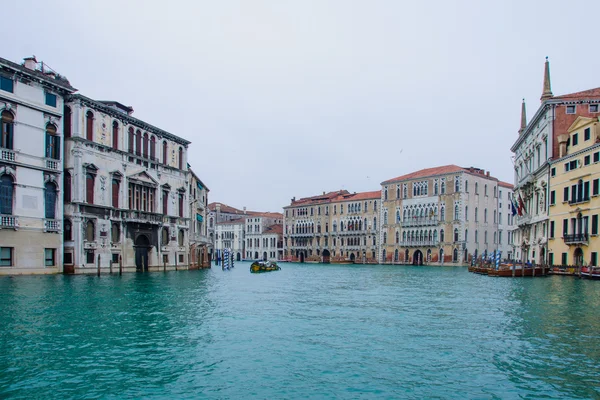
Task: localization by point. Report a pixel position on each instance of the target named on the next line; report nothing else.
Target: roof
(267, 215)
(224, 208)
(443, 170)
(323, 198)
(359, 196)
(506, 185)
(586, 94)
(277, 228)
(233, 222)
(52, 77)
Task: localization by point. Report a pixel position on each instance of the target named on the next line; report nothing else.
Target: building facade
(575, 196)
(201, 247)
(230, 235)
(264, 236)
(535, 146)
(439, 215)
(506, 220)
(219, 212)
(334, 227)
(31, 165)
(126, 191)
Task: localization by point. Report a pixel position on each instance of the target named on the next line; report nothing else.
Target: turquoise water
(307, 331)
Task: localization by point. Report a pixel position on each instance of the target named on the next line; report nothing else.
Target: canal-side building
(506, 220)
(537, 143)
(220, 212)
(575, 196)
(201, 247)
(31, 165)
(439, 215)
(333, 227)
(230, 234)
(126, 190)
(263, 236)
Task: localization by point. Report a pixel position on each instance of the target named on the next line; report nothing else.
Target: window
(67, 122)
(50, 200)
(165, 236)
(165, 202)
(476, 188)
(495, 192)
(455, 234)
(153, 148)
(441, 235)
(90, 232)
(181, 204)
(467, 186)
(485, 190)
(443, 188)
(145, 146)
(6, 195)
(586, 160)
(116, 187)
(594, 109)
(551, 229)
(485, 237)
(553, 171)
(570, 109)
(50, 99)
(89, 125)
(7, 130)
(476, 214)
(181, 237)
(597, 156)
(52, 143)
(68, 231)
(552, 198)
(130, 143)
(595, 187)
(594, 259)
(90, 257)
(89, 188)
(456, 212)
(566, 194)
(595, 224)
(115, 135)
(564, 259)
(138, 142)
(180, 158)
(67, 186)
(485, 215)
(457, 185)
(6, 256)
(575, 139)
(6, 84)
(165, 160)
(49, 256)
(586, 134)
(566, 226)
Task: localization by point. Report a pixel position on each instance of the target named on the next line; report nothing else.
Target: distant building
(575, 196)
(264, 239)
(333, 227)
(31, 167)
(201, 247)
(230, 235)
(446, 214)
(506, 221)
(535, 146)
(126, 190)
(219, 212)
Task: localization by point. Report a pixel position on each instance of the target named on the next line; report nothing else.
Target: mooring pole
(164, 264)
(175, 262)
(98, 264)
(110, 267)
(120, 265)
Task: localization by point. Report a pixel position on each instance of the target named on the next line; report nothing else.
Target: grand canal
(316, 331)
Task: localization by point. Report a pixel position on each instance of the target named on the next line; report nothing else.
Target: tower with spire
(523, 118)
(547, 91)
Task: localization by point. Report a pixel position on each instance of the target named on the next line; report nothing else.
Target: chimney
(244, 210)
(562, 145)
(323, 193)
(487, 173)
(30, 63)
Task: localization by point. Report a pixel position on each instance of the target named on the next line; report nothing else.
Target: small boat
(264, 266)
(590, 273)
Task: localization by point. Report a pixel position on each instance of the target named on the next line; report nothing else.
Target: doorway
(142, 247)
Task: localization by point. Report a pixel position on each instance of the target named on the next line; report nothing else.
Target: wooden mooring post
(98, 264)
(120, 265)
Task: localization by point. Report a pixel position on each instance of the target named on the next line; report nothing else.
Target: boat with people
(264, 266)
(590, 273)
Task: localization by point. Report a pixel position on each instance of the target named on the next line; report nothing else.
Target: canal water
(307, 331)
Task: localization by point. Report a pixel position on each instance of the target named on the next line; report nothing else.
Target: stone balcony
(410, 222)
(9, 221)
(52, 225)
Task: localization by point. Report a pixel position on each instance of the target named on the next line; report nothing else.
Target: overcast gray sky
(293, 98)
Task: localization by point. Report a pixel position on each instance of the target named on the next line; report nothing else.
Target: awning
(198, 217)
(200, 186)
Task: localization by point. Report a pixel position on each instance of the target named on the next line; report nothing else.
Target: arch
(326, 256)
(50, 193)
(145, 145)
(115, 232)
(153, 148)
(396, 255)
(115, 135)
(131, 142)
(256, 255)
(181, 237)
(164, 236)
(441, 256)
(578, 256)
(264, 256)
(68, 230)
(164, 151)
(455, 255)
(456, 234)
(6, 194)
(352, 257)
(52, 142)
(89, 125)
(418, 257)
(90, 231)
(67, 116)
(138, 142)
(180, 157)
(441, 235)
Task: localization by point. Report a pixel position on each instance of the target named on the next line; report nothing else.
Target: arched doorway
(466, 257)
(418, 257)
(578, 257)
(396, 255)
(543, 256)
(239, 257)
(264, 256)
(256, 255)
(455, 255)
(352, 257)
(406, 256)
(326, 256)
(142, 247)
(428, 255)
(301, 257)
(441, 257)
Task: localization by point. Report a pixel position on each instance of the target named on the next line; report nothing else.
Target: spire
(547, 93)
(523, 118)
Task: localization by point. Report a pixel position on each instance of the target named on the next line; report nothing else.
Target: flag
(513, 207)
(521, 208)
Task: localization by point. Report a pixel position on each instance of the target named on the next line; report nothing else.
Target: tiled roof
(586, 94)
(267, 215)
(57, 80)
(443, 170)
(233, 222)
(277, 228)
(506, 185)
(359, 196)
(325, 197)
(224, 208)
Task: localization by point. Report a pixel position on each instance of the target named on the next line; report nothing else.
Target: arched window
(181, 237)
(443, 214)
(68, 231)
(485, 190)
(165, 156)
(50, 200)
(385, 217)
(466, 186)
(485, 215)
(456, 212)
(165, 236)
(131, 140)
(89, 125)
(52, 143)
(90, 232)
(89, 188)
(457, 185)
(145, 146)
(397, 191)
(6, 195)
(138, 142)
(116, 189)
(153, 148)
(455, 255)
(435, 188)
(443, 188)
(397, 237)
(466, 235)
(67, 187)
(456, 234)
(115, 135)
(435, 237)
(374, 222)
(115, 233)
(396, 255)
(404, 236)
(441, 255)
(384, 237)
(181, 160)
(441, 235)
(67, 122)
(476, 188)
(6, 141)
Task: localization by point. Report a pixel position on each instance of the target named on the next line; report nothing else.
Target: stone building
(31, 165)
(506, 221)
(200, 246)
(230, 234)
(126, 190)
(335, 227)
(536, 144)
(446, 214)
(264, 236)
(219, 212)
(574, 200)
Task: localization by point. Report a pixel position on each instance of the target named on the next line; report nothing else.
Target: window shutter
(586, 190)
(566, 194)
(48, 146)
(595, 224)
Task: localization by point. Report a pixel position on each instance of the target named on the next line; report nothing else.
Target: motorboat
(264, 266)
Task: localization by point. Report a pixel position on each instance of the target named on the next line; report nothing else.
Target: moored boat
(590, 273)
(264, 266)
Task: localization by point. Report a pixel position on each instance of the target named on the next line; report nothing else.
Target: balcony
(418, 243)
(308, 234)
(142, 216)
(9, 221)
(577, 238)
(579, 200)
(419, 222)
(523, 220)
(7, 155)
(89, 245)
(51, 225)
(53, 164)
(200, 239)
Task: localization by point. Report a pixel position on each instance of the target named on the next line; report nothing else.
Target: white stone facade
(31, 165)
(264, 237)
(230, 235)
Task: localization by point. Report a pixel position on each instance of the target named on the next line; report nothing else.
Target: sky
(285, 99)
